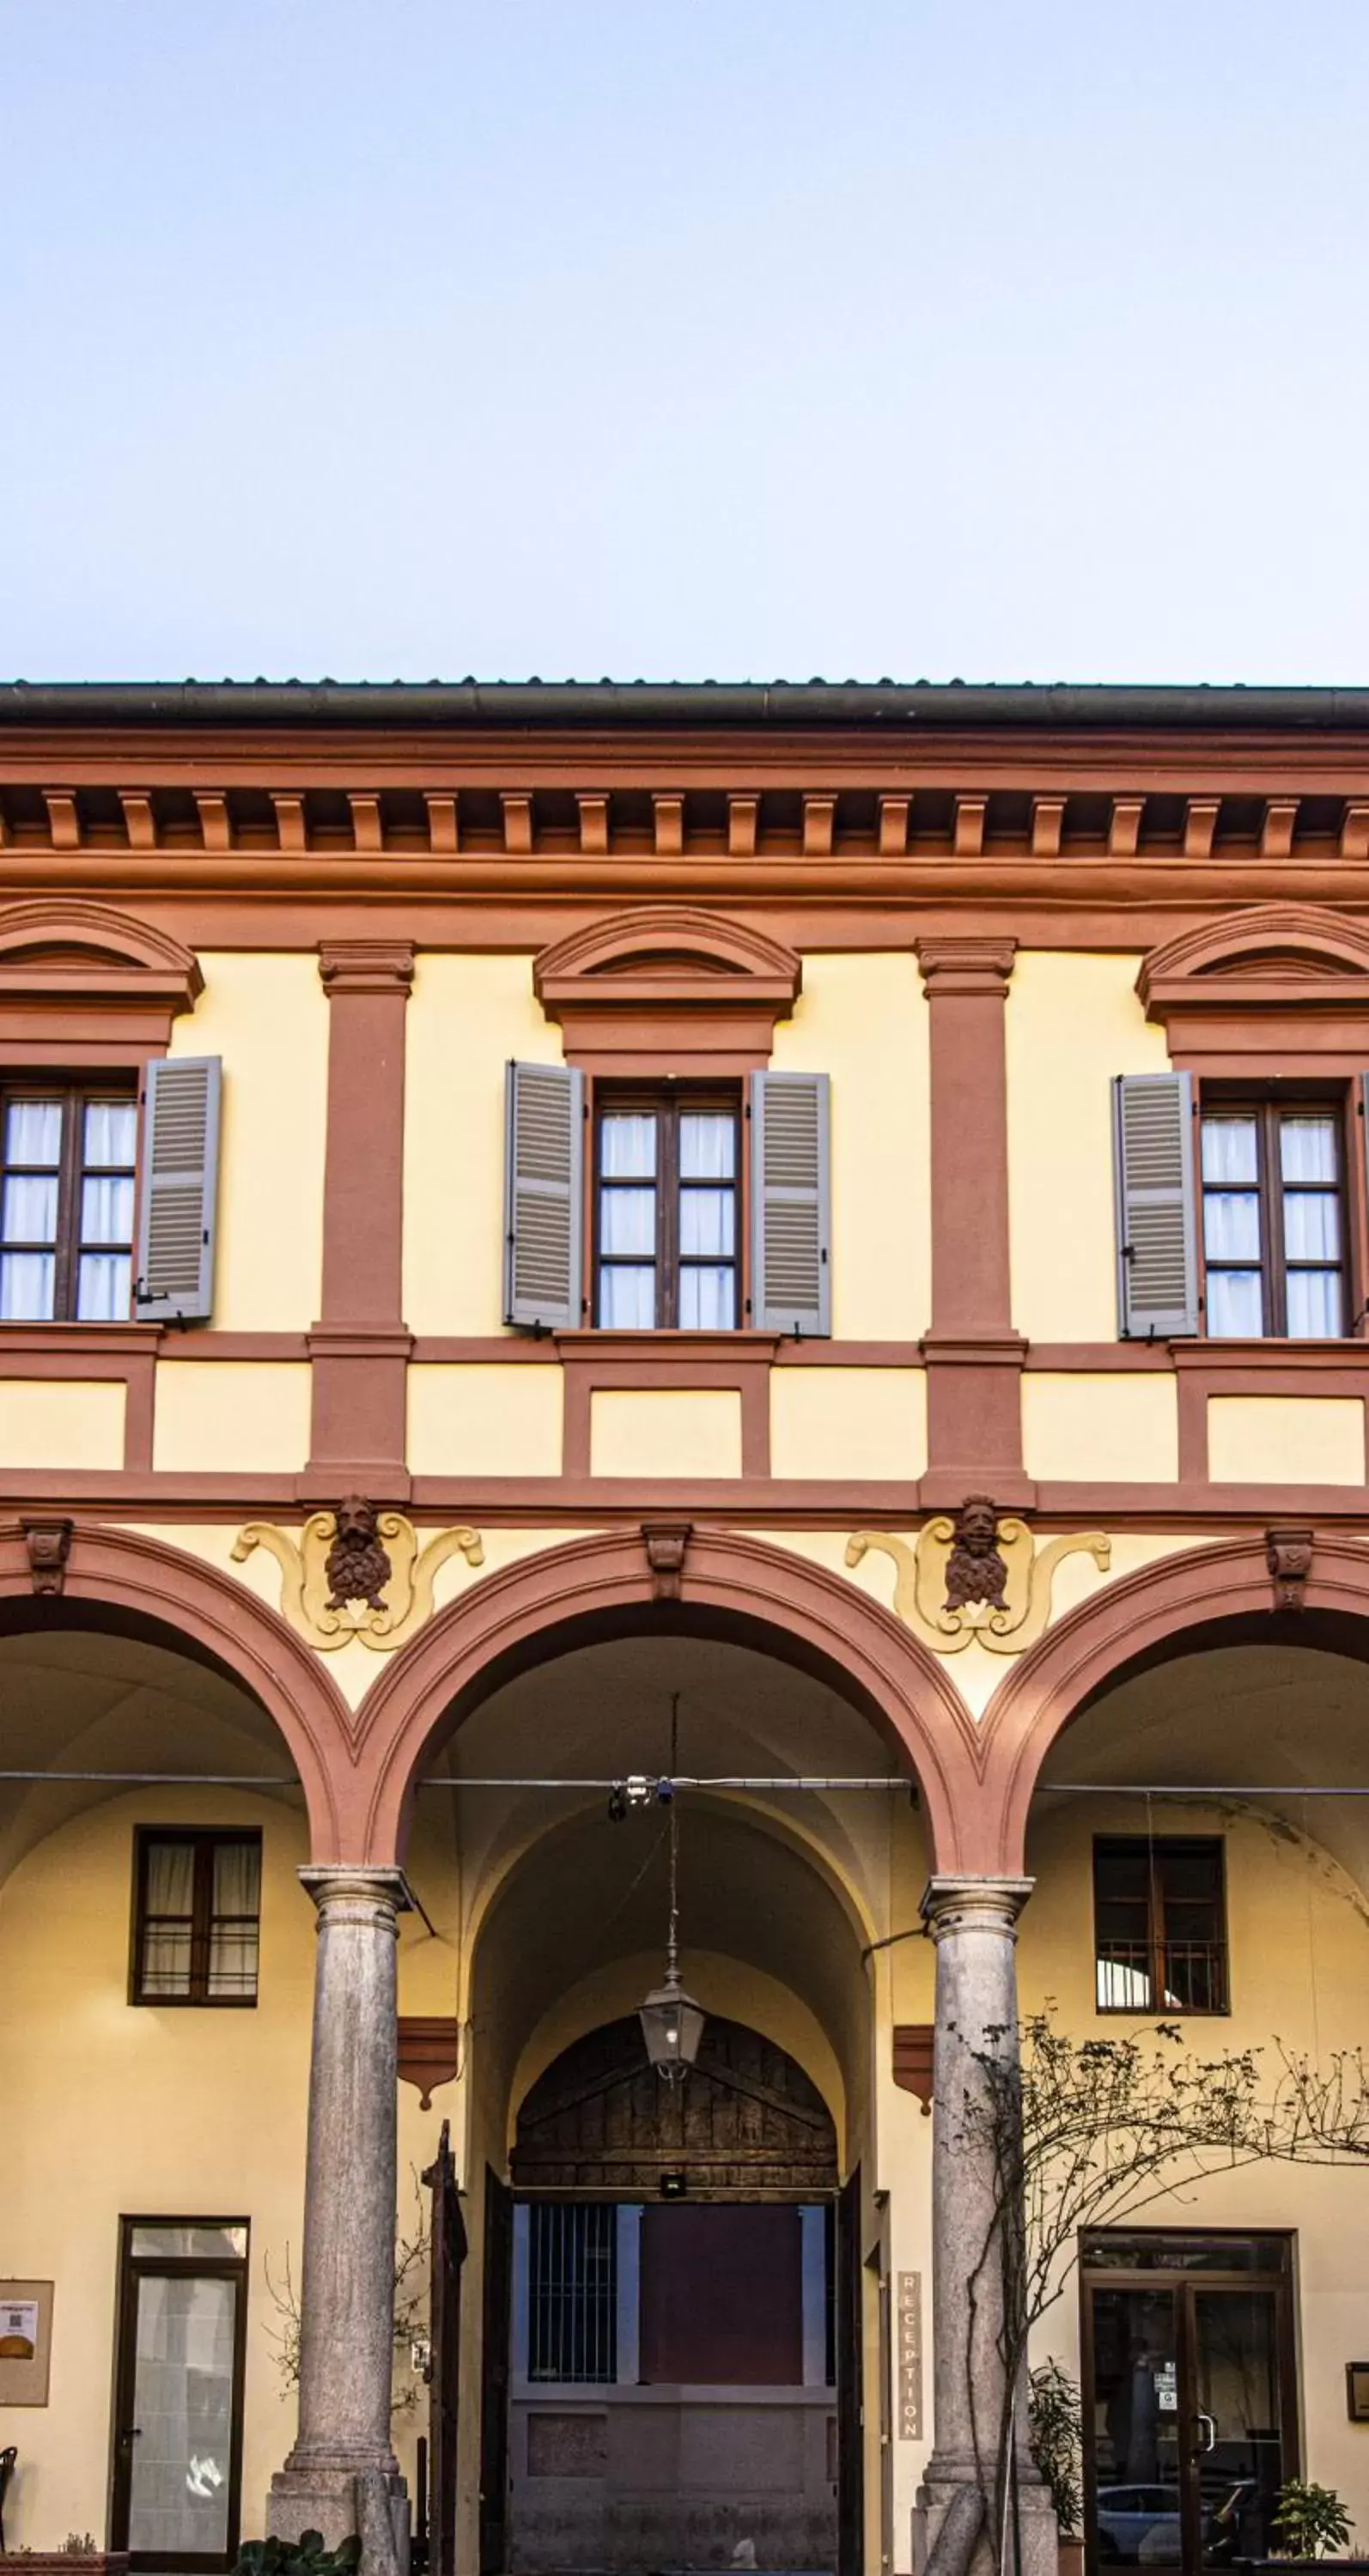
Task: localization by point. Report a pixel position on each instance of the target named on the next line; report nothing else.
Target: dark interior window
(66, 1204)
(1159, 1925)
(197, 1917)
(667, 1213)
(1274, 1219)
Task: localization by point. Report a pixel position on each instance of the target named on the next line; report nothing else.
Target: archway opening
(730, 2433)
(152, 1935)
(1199, 1838)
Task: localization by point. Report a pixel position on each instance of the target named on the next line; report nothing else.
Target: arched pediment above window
(1262, 987)
(81, 983)
(666, 989)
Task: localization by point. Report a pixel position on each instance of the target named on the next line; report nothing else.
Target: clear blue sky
(734, 338)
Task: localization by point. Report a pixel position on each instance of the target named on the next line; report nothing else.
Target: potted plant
(303, 2557)
(1055, 2431)
(1309, 2524)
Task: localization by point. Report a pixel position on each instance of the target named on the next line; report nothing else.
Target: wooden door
(850, 2404)
(447, 2242)
(494, 2402)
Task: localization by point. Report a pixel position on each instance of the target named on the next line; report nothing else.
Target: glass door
(1189, 2400)
(178, 2411)
(1238, 2418)
(1136, 2486)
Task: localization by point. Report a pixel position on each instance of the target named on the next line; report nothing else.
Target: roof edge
(694, 706)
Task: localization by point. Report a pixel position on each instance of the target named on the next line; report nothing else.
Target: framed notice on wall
(25, 2342)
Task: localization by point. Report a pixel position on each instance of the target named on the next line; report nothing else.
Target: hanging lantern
(672, 2023)
(672, 2026)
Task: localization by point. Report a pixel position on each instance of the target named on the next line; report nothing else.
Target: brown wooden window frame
(668, 1101)
(206, 1840)
(1158, 1940)
(67, 1245)
(1268, 1108)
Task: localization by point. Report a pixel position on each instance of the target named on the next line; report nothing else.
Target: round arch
(783, 1605)
(1095, 1644)
(126, 1576)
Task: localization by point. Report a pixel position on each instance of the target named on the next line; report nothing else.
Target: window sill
(79, 1336)
(595, 1341)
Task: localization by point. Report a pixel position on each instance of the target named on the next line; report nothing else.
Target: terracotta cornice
(366, 966)
(966, 969)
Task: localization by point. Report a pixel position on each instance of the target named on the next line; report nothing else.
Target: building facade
(809, 1246)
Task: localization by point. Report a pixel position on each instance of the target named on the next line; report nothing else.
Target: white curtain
(233, 1929)
(170, 1885)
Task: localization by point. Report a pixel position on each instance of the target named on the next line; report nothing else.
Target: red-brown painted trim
(1107, 1632)
(359, 1348)
(973, 1357)
(596, 1362)
(109, 1353)
(794, 1610)
(123, 1571)
(85, 986)
(667, 991)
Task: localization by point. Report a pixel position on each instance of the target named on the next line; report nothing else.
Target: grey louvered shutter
(791, 1227)
(1157, 1246)
(544, 1163)
(174, 1267)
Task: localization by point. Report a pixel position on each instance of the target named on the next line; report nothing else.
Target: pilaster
(973, 1356)
(359, 1348)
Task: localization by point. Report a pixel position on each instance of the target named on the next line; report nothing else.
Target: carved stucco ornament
(357, 1573)
(975, 1575)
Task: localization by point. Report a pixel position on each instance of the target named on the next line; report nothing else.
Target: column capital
(974, 1905)
(366, 966)
(974, 969)
(350, 1891)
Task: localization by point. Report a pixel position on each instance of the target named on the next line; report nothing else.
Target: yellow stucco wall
(129, 2110)
(1299, 1936)
(676, 1431)
(1099, 1429)
(61, 1422)
(1073, 1022)
(844, 1422)
(267, 1016)
(466, 1017)
(232, 1416)
(863, 1020)
(1285, 1440)
(484, 1420)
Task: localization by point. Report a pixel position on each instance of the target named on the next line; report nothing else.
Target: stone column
(342, 2474)
(973, 1922)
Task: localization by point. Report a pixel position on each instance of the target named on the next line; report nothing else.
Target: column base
(373, 2503)
(951, 2535)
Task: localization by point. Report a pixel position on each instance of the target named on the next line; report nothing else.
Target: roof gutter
(509, 706)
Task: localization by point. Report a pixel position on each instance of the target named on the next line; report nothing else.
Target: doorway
(673, 2391)
(181, 2348)
(1189, 2396)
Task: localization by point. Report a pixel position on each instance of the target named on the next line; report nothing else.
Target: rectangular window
(1274, 1219)
(66, 1204)
(667, 1230)
(573, 2290)
(1159, 1925)
(197, 1910)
